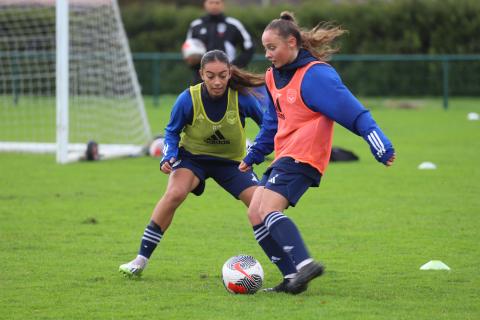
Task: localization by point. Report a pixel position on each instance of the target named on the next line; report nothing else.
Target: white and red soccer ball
(193, 47)
(156, 148)
(242, 274)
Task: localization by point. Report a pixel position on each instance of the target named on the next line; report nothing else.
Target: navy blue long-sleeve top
(322, 91)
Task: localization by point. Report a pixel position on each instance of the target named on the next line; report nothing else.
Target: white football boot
(134, 268)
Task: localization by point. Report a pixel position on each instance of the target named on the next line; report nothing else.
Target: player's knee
(265, 209)
(254, 215)
(176, 195)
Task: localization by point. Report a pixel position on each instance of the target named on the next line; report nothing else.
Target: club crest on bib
(200, 117)
(231, 117)
(291, 95)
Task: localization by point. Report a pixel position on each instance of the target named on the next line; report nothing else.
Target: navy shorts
(290, 178)
(224, 171)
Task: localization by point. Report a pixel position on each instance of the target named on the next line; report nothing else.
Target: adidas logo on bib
(217, 138)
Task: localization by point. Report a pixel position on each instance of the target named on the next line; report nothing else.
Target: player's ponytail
(242, 80)
(287, 15)
(319, 40)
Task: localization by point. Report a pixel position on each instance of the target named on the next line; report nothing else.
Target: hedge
(375, 27)
(394, 27)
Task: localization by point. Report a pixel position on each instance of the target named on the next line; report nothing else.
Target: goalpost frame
(128, 134)
(62, 79)
(62, 90)
(136, 86)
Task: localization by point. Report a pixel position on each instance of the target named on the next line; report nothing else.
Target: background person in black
(219, 32)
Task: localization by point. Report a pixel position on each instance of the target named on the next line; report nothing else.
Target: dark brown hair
(319, 40)
(241, 80)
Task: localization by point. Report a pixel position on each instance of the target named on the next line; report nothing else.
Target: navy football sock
(151, 237)
(274, 252)
(286, 234)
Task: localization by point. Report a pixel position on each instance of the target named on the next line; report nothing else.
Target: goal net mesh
(105, 104)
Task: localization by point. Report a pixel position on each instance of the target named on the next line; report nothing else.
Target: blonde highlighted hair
(319, 40)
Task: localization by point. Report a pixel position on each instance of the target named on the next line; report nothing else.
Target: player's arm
(323, 91)
(250, 107)
(193, 61)
(264, 142)
(380, 146)
(244, 58)
(181, 115)
(244, 40)
(193, 29)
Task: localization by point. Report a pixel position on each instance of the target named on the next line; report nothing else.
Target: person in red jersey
(307, 97)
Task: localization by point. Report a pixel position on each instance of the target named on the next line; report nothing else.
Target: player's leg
(246, 195)
(288, 237)
(180, 183)
(274, 252)
(284, 188)
(243, 186)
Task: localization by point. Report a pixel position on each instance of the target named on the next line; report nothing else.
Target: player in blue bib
(205, 138)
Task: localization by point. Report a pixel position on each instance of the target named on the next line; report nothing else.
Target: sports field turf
(65, 229)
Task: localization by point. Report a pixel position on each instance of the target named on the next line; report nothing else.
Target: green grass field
(65, 229)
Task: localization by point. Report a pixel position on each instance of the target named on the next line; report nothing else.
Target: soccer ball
(192, 47)
(156, 148)
(242, 274)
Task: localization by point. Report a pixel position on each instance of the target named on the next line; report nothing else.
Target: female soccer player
(211, 116)
(308, 97)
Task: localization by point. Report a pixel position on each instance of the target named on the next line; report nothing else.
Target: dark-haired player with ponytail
(205, 138)
(307, 97)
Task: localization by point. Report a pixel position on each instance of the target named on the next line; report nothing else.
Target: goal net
(66, 78)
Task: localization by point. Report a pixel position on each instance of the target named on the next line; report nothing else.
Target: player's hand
(166, 166)
(390, 161)
(244, 167)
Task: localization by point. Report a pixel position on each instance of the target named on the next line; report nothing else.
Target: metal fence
(365, 75)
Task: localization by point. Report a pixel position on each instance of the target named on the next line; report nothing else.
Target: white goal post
(67, 78)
